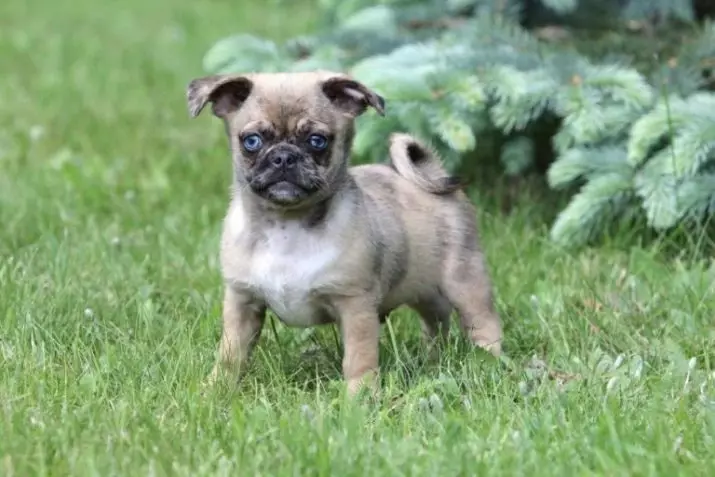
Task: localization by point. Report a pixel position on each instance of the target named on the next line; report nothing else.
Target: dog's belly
(288, 272)
(297, 311)
(293, 304)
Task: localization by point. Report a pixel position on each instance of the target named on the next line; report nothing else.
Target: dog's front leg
(242, 324)
(360, 329)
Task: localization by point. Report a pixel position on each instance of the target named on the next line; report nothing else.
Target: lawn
(111, 200)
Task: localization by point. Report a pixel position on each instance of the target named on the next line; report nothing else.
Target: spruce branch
(649, 130)
(663, 9)
(454, 130)
(696, 197)
(587, 162)
(601, 201)
(561, 6)
(521, 97)
(658, 193)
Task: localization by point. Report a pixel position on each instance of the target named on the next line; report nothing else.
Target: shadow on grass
(309, 361)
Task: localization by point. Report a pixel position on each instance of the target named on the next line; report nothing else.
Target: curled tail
(421, 165)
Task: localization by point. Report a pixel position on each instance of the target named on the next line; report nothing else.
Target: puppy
(318, 242)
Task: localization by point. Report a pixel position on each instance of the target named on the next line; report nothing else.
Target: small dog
(318, 241)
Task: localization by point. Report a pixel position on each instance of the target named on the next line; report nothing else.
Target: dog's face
(290, 133)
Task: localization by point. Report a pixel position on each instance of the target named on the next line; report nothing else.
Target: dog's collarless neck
(311, 217)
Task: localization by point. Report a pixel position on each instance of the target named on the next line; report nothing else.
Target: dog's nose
(284, 159)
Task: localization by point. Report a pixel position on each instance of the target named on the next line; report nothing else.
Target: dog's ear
(352, 96)
(226, 93)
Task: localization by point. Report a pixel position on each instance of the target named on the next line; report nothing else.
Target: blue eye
(317, 141)
(252, 142)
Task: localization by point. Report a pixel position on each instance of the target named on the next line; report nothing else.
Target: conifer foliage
(456, 72)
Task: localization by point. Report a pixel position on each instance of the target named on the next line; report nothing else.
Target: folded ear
(226, 93)
(352, 96)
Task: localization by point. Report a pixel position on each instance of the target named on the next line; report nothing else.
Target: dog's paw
(218, 375)
(207, 384)
(367, 385)
(493, 347)
(487, 339)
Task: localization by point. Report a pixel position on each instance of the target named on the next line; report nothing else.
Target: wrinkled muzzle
(284, 175)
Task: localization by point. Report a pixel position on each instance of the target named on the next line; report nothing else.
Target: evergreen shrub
(629, 142)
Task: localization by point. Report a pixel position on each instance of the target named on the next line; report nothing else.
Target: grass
(110, 204)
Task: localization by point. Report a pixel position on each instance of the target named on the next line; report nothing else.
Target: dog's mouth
(282, 192)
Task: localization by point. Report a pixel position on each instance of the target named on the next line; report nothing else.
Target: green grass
(110, 204)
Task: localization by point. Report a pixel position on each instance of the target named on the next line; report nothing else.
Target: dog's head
(290, 133)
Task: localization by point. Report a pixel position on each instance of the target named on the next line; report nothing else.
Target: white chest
(288, 267)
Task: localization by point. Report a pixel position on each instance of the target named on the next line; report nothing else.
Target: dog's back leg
(435, 312)
(468, 287)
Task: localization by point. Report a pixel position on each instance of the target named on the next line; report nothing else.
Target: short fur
(319, 242)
